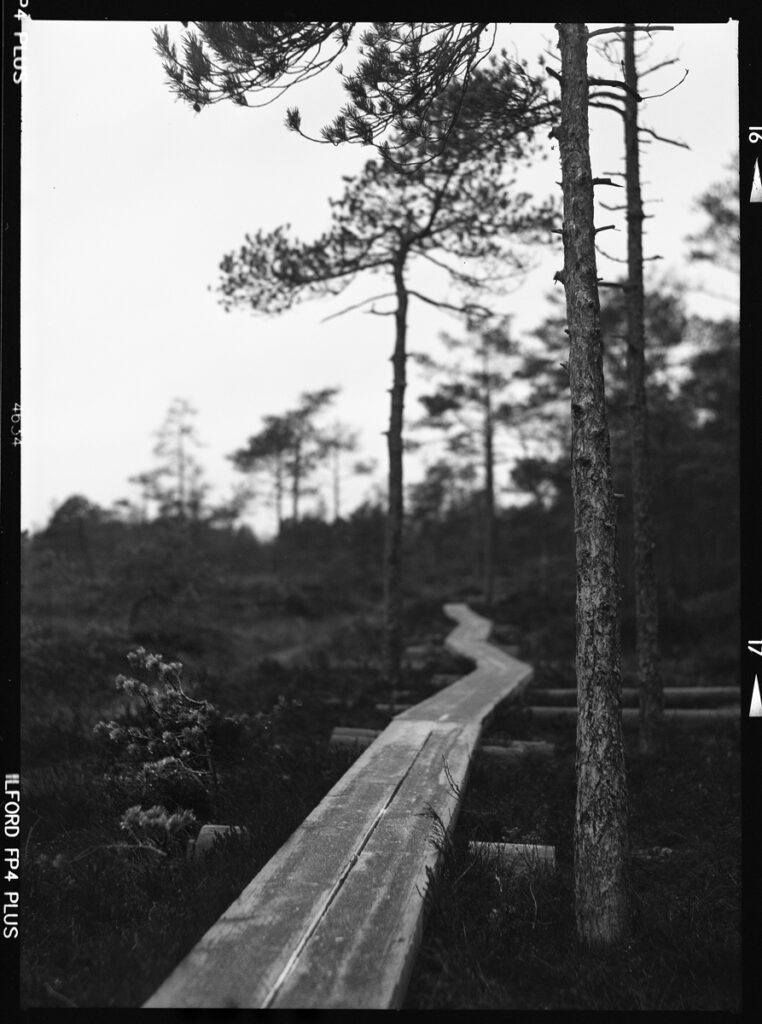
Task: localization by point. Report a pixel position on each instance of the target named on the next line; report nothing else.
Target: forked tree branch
(661, 138)
(357, 305)
(656, 95)
(657, 67)
(618, 29)
(615, 83)
(608, 106)
(469, 307)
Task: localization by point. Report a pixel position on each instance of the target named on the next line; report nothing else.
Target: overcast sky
(129, 200)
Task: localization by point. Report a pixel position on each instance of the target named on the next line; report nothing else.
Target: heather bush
(172, 748)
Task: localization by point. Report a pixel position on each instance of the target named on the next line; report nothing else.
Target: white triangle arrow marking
(755, 711)
(756, 186)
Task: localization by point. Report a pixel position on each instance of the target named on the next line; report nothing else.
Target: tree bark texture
(600, 832)
(489, 491)
(646, 597)
(393, 543)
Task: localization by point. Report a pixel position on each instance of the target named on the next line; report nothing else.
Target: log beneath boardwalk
(517, 856)
(212, 838)
(442, 679)
(512, 753)
(393, 709)
(359, 738)
(674, 696)
(630, 716)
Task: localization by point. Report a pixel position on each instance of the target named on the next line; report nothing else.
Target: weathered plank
(243, 957)
(362, 953)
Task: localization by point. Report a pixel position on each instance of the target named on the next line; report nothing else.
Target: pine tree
(600, 832)
(455, 209)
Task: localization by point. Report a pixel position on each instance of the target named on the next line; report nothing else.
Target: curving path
(335, 918)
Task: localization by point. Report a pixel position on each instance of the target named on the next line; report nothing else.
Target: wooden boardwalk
(335, 918)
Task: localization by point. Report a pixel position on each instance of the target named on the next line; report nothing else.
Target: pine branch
(615, 259)
(469, 307)
(661, 138)
(657, 67)
(603, 95)
(608, 106)
(618, 29)
(356, 305)
(656, 95)
(616, 83)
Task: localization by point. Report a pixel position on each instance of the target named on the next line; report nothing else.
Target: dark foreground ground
(111, 902)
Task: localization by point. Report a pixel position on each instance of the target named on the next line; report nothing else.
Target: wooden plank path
(335, 918)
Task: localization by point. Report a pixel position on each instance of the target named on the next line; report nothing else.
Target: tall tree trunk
(336, 484)
(296, 481)
(279, 493)
(646, 597)
(600, 830)
(489, 489)
(393, 552)
(180, 475)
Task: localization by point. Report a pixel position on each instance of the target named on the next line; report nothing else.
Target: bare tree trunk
(393, 553)
(336, 484)
(600, 831)
(646, 596)
(279, 493)
(489, 489)
(296, 481)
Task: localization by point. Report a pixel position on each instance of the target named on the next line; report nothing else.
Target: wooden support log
(650, 854)
(523, 855)
(512, 753)
(406, 695)
(517, 856)
(348, 737)
(442, 679)
(419, 657)
(630, 716)
(541, 697)
(421, 651)
(212, 838)
(674, 696)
